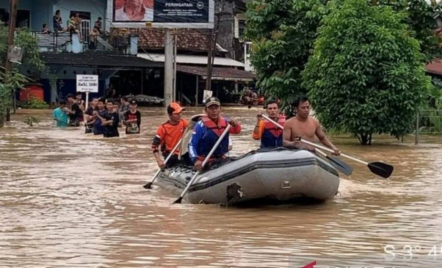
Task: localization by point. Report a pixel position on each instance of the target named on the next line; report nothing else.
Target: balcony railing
(67, 42)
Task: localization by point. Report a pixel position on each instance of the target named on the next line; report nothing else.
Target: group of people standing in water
(104, 117)
(101, 117)
(211, 126)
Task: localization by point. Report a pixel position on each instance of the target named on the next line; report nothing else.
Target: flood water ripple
(73, 200)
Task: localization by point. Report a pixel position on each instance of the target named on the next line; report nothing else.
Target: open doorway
(85, 23)
(23, 19)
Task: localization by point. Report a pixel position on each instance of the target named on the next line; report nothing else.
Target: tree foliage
(31, 59)
(421, 19)
(366, 74)
(282, 33)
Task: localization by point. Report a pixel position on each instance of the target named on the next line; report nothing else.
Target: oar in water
(149, 184)
(334, 161)
(337, 163)
(382, 169)
(193, 120)
(178, 201)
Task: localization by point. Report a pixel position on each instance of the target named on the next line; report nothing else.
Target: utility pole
(209, 62)
(212, 46)
(170, 52)
(8, 64)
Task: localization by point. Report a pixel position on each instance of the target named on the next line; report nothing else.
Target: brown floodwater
(73, 200)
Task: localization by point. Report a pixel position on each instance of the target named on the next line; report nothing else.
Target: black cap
(133, 102)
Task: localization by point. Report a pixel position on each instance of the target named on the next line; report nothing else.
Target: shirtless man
(305, 127)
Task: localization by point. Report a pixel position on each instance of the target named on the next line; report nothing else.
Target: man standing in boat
(269, 134)
(305, 127)
(168, 135)
(206, 133)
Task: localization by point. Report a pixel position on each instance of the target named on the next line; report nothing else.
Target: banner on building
(87, 83)
(161, 13)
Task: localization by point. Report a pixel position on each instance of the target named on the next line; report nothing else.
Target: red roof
(435, 67)
(187, 39)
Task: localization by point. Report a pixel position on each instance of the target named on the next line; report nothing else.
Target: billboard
(161, 13)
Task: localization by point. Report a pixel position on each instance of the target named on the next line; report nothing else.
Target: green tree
(366, 74)
(31, 59)
(421, 19)
(282, 33)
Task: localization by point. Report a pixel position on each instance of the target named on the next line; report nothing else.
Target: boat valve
(286, 185)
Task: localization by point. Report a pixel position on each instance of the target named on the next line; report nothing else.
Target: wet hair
(271, 102)
(62, 102)
(299, 100)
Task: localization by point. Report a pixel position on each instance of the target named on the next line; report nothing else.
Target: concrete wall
(42, 11)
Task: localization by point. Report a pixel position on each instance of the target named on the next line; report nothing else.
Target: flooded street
(73, 200)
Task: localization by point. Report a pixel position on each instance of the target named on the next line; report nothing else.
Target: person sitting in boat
(305, 127)
(206, 134)
(168, 135)
(269, 134)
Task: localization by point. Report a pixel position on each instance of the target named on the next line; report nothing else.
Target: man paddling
(206, 133)
(269, 134)
(168, 135)
(306, 127)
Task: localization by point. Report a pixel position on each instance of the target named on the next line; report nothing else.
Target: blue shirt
(61, 117)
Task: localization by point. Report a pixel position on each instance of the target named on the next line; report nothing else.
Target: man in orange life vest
(269, 134)
(168, 135)
(206, 134)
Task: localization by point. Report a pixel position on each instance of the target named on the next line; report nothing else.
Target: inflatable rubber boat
(272, 174)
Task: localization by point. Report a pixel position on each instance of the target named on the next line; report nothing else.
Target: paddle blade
(340, 165)
(381, 169)
(148, 185)
(178, 201)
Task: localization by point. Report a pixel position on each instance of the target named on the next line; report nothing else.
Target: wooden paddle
(149, 184)
(382, 169)
(178, 201)
(193, 120)
(334, 161)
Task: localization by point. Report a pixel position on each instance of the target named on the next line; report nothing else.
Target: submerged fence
(428, 122)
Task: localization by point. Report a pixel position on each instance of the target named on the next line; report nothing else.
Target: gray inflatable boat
(277, 174)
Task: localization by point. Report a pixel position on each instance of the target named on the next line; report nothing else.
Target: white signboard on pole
(87, 83)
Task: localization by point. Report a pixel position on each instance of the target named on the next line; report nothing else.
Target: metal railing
(59, 41)
(428, 122)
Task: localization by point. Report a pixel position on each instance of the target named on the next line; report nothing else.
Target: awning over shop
(192, 59)
(102, 60)
(218, 73)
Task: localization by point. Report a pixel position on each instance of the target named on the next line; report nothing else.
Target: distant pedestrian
(60, 115)
(74, 112)
(132, 119)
